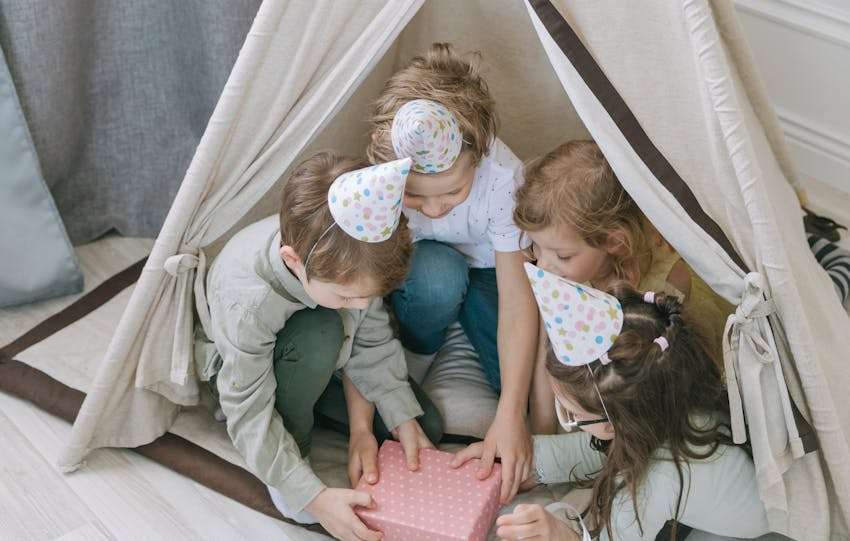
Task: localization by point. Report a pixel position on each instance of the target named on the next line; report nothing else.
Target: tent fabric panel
(800, 291)
(660, 206)
(743, 62)
(596, 81)
(147, 370)
(670, 103)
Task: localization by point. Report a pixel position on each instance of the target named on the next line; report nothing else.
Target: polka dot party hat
(366, 203)
(427, 132)
(582, 322)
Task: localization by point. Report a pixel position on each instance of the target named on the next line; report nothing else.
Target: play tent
(670, 93)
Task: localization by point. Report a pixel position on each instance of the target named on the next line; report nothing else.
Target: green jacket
(251, 294)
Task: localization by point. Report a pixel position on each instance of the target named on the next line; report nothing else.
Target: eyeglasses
(568, 420)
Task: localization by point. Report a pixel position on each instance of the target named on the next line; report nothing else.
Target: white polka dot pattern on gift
(582, 322)
(366, 203)
(427, 132)
(435, 503)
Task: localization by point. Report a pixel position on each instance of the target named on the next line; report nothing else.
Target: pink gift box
(434, 503)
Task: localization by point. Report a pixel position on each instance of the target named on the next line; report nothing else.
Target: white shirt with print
(483, 224)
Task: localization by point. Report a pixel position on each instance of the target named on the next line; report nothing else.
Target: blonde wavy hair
(574, 186)
(443, 76)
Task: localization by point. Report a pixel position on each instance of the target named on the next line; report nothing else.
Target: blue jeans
(441, 289)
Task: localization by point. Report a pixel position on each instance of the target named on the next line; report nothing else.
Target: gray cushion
(37, 260)
(458, 387)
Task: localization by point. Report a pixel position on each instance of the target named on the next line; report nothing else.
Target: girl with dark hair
(632, 373)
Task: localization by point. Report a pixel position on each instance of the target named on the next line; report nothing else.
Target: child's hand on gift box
(526, 478)
(533, 522)
(362, 457)
(333, 509)
(512, 443)
(412, 439)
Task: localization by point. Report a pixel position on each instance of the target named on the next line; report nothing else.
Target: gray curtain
(117, 95)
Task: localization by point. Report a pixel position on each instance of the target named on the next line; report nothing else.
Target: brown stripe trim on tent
(598, 83)
(83, 306)
(174, 452)
(595, 79)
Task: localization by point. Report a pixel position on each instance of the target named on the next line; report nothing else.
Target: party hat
(427, 132)
(582, 322)
(366, 203)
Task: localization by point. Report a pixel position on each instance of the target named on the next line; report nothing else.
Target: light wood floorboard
(117, 494)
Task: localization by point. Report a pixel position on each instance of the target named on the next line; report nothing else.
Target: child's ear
(287, 253)
(617, 243)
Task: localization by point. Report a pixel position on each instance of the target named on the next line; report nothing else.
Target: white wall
(802, 48)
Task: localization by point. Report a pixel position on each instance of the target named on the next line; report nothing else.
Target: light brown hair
(338, 257)
(574, 186)
(651, 396)
(443, 76)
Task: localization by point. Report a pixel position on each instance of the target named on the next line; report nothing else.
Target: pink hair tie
(649, 297)
(604, 358)
(662, 343)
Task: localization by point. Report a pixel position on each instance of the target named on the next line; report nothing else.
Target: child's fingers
(508, 474)
(370, 468)
(465, 455)
(523, 514)
(521, 531)
(354, 471)
(359, 498)
(519, 476)
(411, 452)
(364, 533)
(488, 457)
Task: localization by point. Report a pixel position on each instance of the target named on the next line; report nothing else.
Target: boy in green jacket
(297, 323)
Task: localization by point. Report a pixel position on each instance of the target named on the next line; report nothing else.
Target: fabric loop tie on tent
(747, 349)
(181, 266)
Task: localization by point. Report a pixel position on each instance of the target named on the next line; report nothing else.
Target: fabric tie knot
(186, 258)
(181, 265)
(747, 344)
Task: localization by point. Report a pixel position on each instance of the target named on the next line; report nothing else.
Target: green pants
(308, 393)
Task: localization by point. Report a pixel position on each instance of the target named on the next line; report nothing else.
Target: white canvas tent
(669, 92)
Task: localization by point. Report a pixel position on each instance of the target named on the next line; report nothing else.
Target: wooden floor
(121, 495)
(117, 495)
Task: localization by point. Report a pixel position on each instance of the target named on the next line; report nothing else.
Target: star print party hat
(434, 503)
(427, 132)
(366, 203)
(582, 322)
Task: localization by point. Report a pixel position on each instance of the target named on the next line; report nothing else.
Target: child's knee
(315, 336)
(439, 275)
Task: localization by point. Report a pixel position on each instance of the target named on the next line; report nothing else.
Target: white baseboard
(810, 16)
(818, 153)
